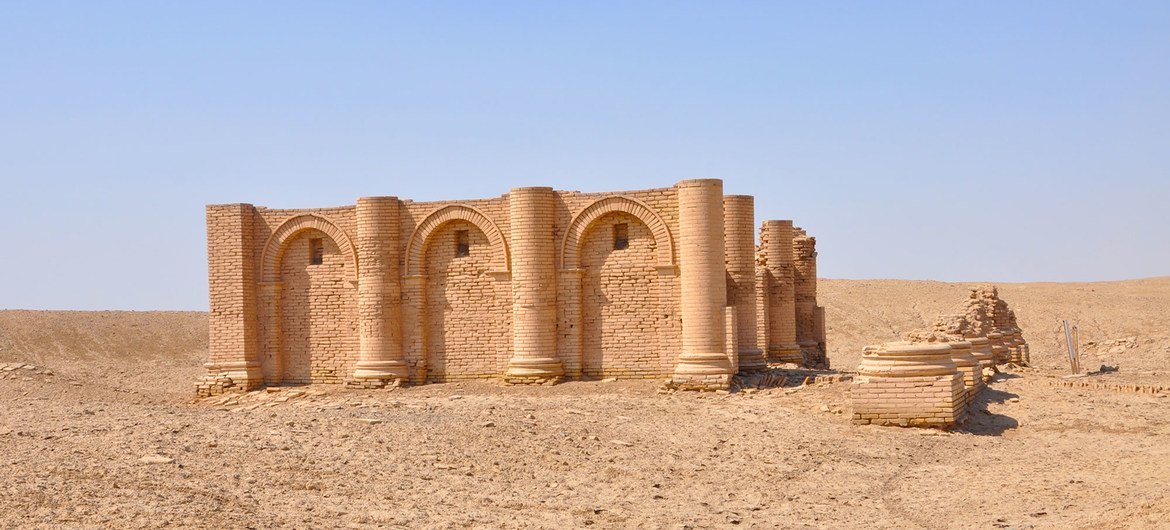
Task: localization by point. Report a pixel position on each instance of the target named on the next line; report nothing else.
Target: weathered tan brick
(539, 292)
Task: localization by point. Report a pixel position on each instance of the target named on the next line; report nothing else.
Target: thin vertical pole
(1076, 329)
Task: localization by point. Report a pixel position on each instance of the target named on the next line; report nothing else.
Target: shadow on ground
(983, 422)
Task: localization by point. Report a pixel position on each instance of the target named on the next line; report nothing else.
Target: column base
(701, 371)
(752, 360)
(238, 376)
(785, 353)
(378, 374)
(700, 382)
(538, 371)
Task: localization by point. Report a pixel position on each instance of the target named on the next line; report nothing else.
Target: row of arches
(570, 246)
(311, 324)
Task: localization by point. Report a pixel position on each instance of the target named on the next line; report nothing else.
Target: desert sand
(98, 429)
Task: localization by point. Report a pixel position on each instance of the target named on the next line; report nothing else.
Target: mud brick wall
(468, 311)
(319, 312)
(541, 293)
(731, 336)
(763, 307)
(285, 320)
(455, 306)
(626, 310)
(805, 287)
(618, 310)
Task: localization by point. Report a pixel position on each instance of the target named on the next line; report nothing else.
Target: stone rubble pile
(22, 371)
(931, 378)
(269, 397)
(213, 384)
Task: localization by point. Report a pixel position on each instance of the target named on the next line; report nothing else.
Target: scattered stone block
(155, 459)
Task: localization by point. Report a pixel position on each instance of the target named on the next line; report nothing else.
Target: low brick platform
(933, 377)
(981, 349)
(907, 384)
(968, 367)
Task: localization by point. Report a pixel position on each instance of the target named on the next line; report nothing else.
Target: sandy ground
(108, 390)
(1124, 324)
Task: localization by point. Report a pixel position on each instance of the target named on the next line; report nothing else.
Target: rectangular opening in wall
(316, 251)
(621, 236)
(462, 243)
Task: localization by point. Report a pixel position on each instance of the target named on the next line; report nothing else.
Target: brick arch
(274, 248)
(571, 248)
(416, 246)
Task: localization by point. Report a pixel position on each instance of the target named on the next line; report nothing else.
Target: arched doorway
(318, 310)
(624, 310)
(466, 316)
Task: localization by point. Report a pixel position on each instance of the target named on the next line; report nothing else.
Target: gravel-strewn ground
(111, 389)
(580, 454)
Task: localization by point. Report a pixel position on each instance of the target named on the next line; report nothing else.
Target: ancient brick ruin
(535, 286)
(932, 377)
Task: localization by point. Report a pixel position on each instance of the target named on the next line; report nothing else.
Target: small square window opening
(621, 236)
(316, 251)
(462, 243)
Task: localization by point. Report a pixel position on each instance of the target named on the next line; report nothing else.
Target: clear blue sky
(1001, 141)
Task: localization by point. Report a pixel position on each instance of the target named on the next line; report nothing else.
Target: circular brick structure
(906, 359)
(909, 384)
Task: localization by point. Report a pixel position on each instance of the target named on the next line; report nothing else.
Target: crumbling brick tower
(535, 286)
(779, 331)
(810, 318)
(790, 325)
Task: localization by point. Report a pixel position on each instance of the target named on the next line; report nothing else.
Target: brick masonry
(909, 384)
(932, 378)
(529, 287)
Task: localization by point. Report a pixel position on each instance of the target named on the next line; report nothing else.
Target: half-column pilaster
(777, 242)
(703, 362)
(739, 235)
(380, 360)
(534, 287)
